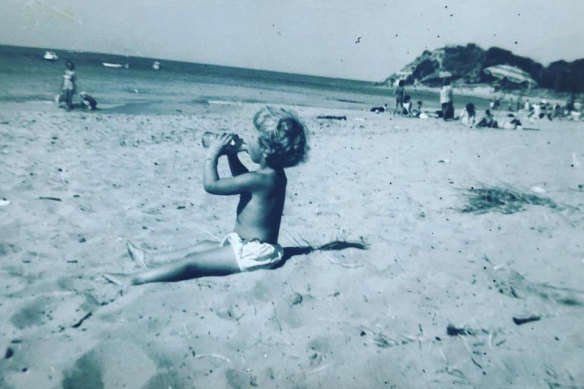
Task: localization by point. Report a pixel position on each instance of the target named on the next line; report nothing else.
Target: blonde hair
(282, 136)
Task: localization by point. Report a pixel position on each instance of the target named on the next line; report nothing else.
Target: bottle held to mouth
(235, 146)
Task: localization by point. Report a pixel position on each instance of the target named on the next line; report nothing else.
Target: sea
(136, 87)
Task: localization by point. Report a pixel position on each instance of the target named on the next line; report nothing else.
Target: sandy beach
(449, 256)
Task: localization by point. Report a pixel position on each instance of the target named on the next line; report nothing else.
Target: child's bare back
(259, 213)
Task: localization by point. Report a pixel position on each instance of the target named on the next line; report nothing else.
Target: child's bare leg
(215, 262)
(144, 260)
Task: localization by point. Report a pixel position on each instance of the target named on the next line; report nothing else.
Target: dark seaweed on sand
(502, 200)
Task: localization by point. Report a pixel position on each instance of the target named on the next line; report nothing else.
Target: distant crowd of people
(404, 106)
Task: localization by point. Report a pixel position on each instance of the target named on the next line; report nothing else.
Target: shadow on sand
(336, 245)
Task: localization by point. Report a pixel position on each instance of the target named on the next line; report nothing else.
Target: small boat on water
(156, 65)
(115, 65)
(50, 56)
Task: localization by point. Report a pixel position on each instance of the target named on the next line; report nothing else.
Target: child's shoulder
(268, 177)
(269, 173)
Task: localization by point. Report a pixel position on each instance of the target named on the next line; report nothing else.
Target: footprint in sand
(232, 313)
(238, 379)
(34, 314)
(112, 364)
(319, 352)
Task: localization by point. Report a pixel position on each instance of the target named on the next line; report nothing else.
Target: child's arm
(242, 183)
(235, 165)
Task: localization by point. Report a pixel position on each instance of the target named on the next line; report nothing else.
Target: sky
(355, 39)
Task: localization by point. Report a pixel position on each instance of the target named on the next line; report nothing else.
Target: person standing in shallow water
(69, 85)
(278, 141)
(446, 101)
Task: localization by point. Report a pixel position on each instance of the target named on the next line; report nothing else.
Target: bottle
(235, 146)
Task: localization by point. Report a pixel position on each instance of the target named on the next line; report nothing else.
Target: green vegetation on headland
(465, 65)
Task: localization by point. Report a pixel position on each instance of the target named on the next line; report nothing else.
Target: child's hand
(219, 144)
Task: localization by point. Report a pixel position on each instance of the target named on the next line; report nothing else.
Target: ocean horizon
(135, 87)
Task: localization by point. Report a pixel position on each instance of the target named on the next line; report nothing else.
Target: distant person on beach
(69, 85)
(557, 111)
(531, 110)
(512, 123)
(400, 93)
(488, 120)
(571, 110)
(570, 104)
(495, 103)
(469, 115)
(407, 106)
(383, 108)
(278, 141)
(417, 111)
(518, 104)
(88, 101)
(446, 100)
(548, 111)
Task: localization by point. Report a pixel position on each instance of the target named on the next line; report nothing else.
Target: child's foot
(136, 254)
(119, 279)
(116, 279)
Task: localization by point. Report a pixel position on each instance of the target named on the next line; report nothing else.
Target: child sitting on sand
(87, 101)
(279, 141)
(488, 120)
(417, 111)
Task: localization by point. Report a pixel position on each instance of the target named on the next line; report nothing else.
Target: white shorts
(253, 254)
